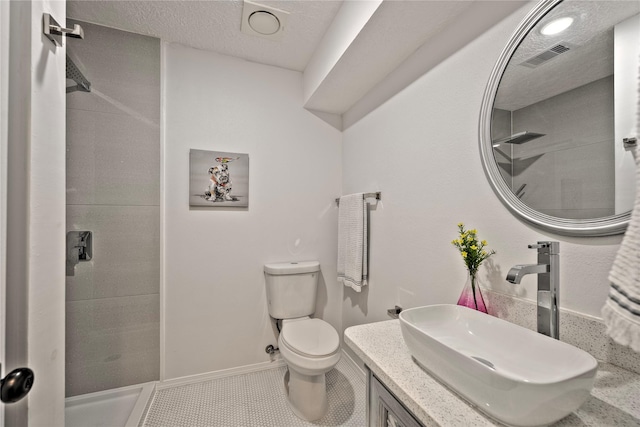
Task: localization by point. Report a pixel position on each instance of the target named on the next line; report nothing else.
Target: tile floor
(256, 399)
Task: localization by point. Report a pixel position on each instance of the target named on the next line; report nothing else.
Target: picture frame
(218, 179)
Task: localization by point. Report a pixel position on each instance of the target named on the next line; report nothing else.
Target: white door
(32, 200)
(4, 100)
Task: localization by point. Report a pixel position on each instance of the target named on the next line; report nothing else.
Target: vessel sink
(516, 376)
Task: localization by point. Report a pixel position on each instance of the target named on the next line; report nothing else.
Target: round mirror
(559, 103)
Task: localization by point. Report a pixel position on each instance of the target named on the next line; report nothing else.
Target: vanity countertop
(614, 399)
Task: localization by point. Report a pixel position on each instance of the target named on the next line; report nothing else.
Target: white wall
(215, 311)
(421, 150)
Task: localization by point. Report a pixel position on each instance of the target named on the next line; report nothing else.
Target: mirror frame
(605, 226)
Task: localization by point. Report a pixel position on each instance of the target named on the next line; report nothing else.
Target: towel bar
(377, 195)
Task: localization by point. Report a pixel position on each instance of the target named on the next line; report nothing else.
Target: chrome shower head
(73, 73)
(519, 138)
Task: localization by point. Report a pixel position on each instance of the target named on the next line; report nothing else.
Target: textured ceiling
(215, 25)
(590, 57)
(396, 30)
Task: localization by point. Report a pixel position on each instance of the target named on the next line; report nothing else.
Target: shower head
(73, 73)
(518, 138)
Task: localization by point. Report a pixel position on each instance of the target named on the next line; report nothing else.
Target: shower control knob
(16, 385)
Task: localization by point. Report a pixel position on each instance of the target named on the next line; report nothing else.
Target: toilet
(310, 347)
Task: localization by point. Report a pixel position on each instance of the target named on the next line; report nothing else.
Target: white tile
(101, 50)
(106, 361)
(123, 68)
(256, 399)
(118, 98)
(88, 377)
(106, 315)
(220, 402)
(112, 159)
(126, 251)
(112, 342)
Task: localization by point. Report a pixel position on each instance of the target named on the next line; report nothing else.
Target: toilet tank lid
(282, 268)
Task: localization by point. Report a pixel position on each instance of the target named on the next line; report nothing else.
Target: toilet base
(306, 395)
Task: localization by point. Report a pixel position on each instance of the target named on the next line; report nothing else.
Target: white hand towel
(352, 241)
(621, 312)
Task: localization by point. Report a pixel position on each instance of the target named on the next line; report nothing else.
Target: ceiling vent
(547, 55)
(263, 21)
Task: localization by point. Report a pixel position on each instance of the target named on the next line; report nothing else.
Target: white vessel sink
(516, 376)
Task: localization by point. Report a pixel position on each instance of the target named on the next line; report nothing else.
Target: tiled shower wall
(576, 158)
(113, 190)
(578, 124)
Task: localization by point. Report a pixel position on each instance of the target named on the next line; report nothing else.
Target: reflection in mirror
(562, 108)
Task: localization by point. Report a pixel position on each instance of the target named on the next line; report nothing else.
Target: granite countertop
(615, 398)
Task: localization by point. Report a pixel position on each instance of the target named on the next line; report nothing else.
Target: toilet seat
(310, 337)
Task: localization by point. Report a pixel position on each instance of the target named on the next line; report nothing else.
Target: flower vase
(471, 295)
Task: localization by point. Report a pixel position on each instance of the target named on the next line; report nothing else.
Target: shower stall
(113, 221)
(557, 155)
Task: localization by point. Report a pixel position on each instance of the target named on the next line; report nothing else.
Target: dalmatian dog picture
(220, 184)
(218, 168)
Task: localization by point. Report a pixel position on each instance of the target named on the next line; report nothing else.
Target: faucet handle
(554, 247)
(539, 245)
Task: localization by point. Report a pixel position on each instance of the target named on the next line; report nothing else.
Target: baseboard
(277, 362)
(361, 373)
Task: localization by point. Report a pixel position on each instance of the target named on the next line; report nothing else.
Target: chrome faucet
(548, 271)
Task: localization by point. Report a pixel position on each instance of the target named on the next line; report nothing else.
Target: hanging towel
(352, 241)
(621, 312)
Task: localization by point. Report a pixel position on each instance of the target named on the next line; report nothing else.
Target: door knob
(16, 385)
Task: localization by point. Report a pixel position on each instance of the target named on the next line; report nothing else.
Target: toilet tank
(291, 288)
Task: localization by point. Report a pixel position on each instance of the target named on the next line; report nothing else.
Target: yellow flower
(473, 253)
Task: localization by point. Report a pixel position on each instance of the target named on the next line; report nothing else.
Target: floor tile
(256, 399)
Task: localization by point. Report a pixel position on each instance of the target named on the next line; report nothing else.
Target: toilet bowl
(310, 348)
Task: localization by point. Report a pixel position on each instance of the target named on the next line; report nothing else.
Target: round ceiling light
(264, 22)
(557, 26)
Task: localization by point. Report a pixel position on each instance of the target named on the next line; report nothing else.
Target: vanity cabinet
(384, 409)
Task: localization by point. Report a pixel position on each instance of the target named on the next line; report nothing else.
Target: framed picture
(218, 179)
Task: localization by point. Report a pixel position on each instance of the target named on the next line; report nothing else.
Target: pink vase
(471, 295)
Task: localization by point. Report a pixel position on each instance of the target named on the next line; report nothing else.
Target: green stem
(473, 287)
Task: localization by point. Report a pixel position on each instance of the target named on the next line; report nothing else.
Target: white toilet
(310, 347)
